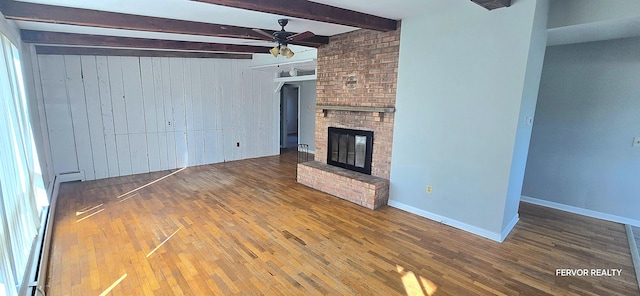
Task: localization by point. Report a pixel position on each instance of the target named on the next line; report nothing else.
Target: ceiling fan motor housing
(282, 35)
(283, 22)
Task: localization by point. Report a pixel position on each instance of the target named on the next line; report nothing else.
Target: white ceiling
(204, 12)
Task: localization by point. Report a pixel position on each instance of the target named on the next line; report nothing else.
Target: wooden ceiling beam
(24, 11)
(67, 50)
(41, 37)
(492, 4)
(312, 11)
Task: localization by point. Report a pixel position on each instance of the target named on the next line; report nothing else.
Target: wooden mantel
(378, 111)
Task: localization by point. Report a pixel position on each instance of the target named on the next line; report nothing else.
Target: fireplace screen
(350, 149)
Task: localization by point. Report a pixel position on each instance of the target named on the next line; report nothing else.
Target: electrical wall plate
(636, 142)
(529, 120)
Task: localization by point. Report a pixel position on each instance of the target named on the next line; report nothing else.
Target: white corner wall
(9, 29)
(527, 109)
(581, 157)
(115, 116)
(462, 78)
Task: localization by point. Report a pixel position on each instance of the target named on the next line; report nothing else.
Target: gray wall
(291, 98)
(581, 152)
(460, 106)
(306, 132)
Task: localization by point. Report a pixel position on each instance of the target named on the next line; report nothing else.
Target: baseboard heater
(37, 275)
(38, 272)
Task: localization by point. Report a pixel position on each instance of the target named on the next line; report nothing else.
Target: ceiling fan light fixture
(275, 51)
(283, 38)
(289, 54)
(286, 52)
(283, 50)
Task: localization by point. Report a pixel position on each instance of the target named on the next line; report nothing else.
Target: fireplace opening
(350, 149)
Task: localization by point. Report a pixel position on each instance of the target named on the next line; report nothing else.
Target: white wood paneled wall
(115, 116)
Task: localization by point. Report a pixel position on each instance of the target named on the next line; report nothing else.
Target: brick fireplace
(357, 74)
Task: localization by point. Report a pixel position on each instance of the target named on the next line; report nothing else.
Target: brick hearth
(371, 59)
(366, 190)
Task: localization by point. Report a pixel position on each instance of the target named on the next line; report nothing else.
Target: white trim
(30, 267)
(296, 78)
(51, 189)
(580, 211)
(635, 256)
(279, 86)
(452, 222)
(299, 88)
(289, 63)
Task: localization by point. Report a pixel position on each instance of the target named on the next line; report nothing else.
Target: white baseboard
(509, 227)
(495, 236)
(580, 211)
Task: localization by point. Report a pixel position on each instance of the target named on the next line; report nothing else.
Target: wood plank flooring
(247, 228)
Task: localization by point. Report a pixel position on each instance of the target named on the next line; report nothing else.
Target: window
(22, 194)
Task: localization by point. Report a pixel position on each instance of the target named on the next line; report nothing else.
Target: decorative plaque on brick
(352, 82)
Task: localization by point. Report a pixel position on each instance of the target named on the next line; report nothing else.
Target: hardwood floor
(248, 228)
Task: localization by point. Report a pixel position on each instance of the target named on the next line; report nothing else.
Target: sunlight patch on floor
(88, 216)
(416, 285)
(162, 243)
(87, 209)
(152, 182)
(115, 284)
(128, 197)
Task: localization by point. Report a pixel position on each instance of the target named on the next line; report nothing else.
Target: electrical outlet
(636, 142)
(429, 189)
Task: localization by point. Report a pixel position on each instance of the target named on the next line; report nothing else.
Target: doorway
(289, 116)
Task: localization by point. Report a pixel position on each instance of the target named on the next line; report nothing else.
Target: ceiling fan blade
(263, 33)
(301, 36)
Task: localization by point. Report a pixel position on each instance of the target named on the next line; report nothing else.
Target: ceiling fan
(283, 38)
